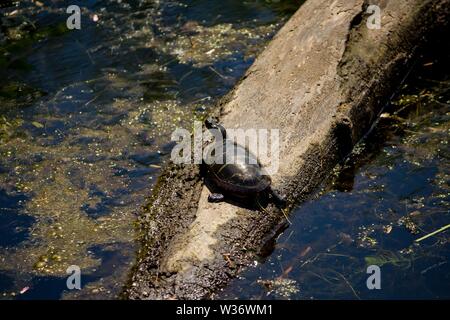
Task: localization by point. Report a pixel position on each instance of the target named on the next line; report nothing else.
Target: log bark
(322, 81)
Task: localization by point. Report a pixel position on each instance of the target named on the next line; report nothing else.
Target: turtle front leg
(278, 199)
(216, 197)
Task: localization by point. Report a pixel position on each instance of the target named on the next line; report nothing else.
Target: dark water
(85, 123)
(392, 190)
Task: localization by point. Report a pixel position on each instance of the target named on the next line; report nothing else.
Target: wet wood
(322, 81)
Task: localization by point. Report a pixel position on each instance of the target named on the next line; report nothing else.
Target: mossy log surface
(323, 80)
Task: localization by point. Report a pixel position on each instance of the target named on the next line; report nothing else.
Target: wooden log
(322, 81)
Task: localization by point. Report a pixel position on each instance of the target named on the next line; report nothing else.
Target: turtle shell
(243, 174)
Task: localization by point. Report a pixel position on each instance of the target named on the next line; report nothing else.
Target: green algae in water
(8, 128)
(20, 40)
(86, 153)
(388, 257)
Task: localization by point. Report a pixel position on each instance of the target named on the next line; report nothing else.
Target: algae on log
(322, 81)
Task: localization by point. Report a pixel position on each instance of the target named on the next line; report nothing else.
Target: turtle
(243, 178)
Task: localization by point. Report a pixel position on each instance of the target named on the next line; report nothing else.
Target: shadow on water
(85, 123)
(392, 190)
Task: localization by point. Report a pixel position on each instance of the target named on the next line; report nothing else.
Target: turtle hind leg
(277, 198)
(216, 197)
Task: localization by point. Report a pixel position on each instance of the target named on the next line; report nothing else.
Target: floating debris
(281, 287)
(24, 290)
(433, 233)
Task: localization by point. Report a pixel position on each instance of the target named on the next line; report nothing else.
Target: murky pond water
(393, 190)
(85, 123)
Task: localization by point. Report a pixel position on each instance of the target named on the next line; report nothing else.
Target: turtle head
(211, 123)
